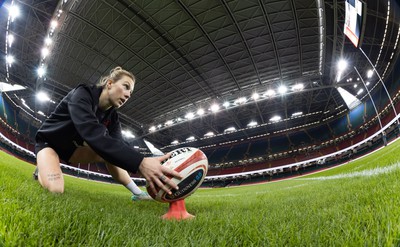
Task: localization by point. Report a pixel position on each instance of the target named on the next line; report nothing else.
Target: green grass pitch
(356, 204)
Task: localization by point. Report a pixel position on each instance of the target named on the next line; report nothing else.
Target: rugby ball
(192, 164)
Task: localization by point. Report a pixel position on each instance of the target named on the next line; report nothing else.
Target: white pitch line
(366, 173)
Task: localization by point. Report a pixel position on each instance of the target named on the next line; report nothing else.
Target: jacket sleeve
(96, 134)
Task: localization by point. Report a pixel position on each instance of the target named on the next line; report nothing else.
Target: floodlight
(275, 118)
(214, 107)
(10, 39)
(10, 59)
(282, 89)
(270, 93)
(252, 124)
(370, 73)
(255, 96)
(190, 138)
(41, 72)
(42, 96)
(127, 133)
(208, 134)
(189, 115)
(341, 65)
(200, 111)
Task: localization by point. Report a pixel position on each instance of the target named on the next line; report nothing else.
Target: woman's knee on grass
(50, 174)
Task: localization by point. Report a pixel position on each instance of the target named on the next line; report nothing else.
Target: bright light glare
(282, 89)
(10, 39)
(255, 96)
(169, 122)
(270, 93)
(41, 72)
(42, 96)
(341, 65)
(189, 115)
(152, 128)
(230, 129)
(45, 52)
(208, 134)
(175, 142)
(298, 87)
(127, 133)
(275, 118)
(190, 138)
(200, 112)
(226, 104)
(370, 73)
(252, 124)
(53, 24)
(48, 41)
(10, 59)
(299, 113)
(214, 108)
(14, 12)
(240, 100)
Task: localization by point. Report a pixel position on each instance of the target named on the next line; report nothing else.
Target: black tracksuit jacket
(77, 119)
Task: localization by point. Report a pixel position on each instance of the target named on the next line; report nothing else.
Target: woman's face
(119, 91)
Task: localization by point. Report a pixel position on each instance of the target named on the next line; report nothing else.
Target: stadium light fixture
(255, 96)
(360, 91)
(45, 52)
(341, 66)
(370, 73)
(152, 128)
(10, 39)
(42, 96)
(226, 104)
(190, 138)
(275, 119)
(189, 115)
(14, 12)
(214, 107)
(169, 122)
(282, 89)
(230, 129)
(298, 87)
(53, 24)
(208, 134)
(175, 142)
(200, 112)
(270, 93)
(127, 133)
(296, 114)
(240, 101)
(48, 41)
(10, 59)
(41, 71)
(252, 124)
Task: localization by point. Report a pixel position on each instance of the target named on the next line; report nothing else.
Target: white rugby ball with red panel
(192, 164)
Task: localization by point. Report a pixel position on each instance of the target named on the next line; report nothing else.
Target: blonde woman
(85, 128)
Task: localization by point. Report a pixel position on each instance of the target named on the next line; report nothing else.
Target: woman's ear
(109, 83)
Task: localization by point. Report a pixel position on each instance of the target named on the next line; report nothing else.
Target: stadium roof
(189, 55)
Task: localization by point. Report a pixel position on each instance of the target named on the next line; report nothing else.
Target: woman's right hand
(155, 174)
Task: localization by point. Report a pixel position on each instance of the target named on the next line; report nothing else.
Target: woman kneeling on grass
(85, 128)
